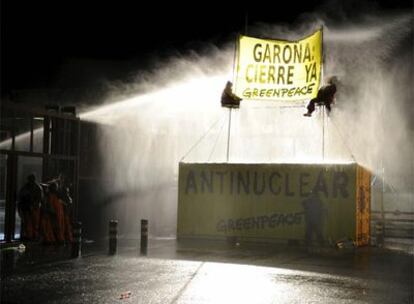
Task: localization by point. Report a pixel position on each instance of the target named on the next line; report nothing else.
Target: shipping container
(322, 203)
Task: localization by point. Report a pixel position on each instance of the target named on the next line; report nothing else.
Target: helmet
(332, 80)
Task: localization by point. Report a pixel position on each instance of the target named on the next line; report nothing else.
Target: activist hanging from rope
(325, 97)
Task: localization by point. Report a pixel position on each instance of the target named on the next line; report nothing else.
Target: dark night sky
(40, 38)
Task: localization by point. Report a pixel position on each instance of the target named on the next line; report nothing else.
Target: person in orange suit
(46, 219)
(58, 208)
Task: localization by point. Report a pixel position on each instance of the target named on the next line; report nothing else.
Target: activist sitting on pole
(228, 98)
(325, 97)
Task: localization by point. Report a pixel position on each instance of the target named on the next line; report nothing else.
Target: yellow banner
(278, 70)
(273, 202)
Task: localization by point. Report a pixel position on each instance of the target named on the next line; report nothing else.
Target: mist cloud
(157, 118)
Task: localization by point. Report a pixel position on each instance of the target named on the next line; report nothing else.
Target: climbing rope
(218, 136)
(201, 138)
(343, 140)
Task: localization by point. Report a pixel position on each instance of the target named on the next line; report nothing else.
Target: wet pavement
(206, 272)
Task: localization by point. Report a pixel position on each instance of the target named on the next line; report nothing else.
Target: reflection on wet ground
(206, 272)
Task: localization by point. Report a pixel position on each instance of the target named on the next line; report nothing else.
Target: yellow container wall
(363, 206)
(265, 201)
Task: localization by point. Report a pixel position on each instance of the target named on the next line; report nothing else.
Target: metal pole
(113, 236)
(228, 136)
(144, 237)
(323, 132)
(246, 22)
(31, 133)
(77, 240)
(77, 124)
(382, 202)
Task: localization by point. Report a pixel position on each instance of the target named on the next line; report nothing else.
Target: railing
(394, 224)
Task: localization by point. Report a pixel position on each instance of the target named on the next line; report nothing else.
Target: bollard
(77, 240)
(379, 227)
(113, 236)
(144, 236)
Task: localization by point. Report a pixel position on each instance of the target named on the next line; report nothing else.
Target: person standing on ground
(58, 208)
(314, 218)
(47, 218)
(30, 198)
